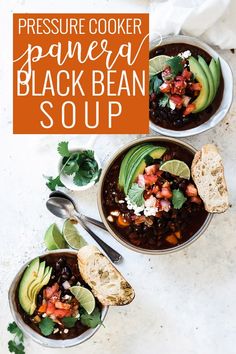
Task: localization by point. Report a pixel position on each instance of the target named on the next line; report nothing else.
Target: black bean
(66, 273)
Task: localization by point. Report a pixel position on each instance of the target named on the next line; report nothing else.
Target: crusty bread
(208, 174)
(107, 284)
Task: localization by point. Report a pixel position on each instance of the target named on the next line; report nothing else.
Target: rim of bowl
(100, 190)
(26, 329)
(71, 186)
(227, 98)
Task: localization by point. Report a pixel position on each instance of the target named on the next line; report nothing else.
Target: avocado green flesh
(140, 164)
(209, 76)
(37, 289)
(37, 280)
(202, 99)
(216, 71)
(137, 155)
(123, 170)
(32, 281)
(27, 279)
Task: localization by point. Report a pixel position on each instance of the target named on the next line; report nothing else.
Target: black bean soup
(153, 235)
(65, 268)
(173, 119)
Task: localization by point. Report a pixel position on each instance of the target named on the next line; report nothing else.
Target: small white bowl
(224, 107)
(68, 180)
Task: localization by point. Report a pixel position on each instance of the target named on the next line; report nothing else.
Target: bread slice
(106, 282)
(208, 174)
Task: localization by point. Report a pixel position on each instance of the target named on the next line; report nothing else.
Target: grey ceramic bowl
(224, 107)
(114, 232)
(28, 331)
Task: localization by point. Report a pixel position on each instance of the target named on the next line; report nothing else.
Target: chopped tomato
(186, 74)
(122, 221)
(179, 87)
(62, 313)
(177, 100)
(196, 200)
(195, 86)
(51, 290)
(149, 180)
(151, 170)
(172, 239)
(50, 308)
(155, 189)
(189, 109)
(165, 88)
(62, 305)
(191, 190)
(166, 193)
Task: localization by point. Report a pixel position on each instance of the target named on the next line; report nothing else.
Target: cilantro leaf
(46, 326)
(52, 183)
(69, 322)
(17, 348)
(176, 64)
(154, 84)
(164, 100)
(71, 167)
(91, 320)
(178, 199)
(63, 149)
(136, 194)
(16, 345)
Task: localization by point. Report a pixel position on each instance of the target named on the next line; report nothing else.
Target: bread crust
(207, 171)
(106, 282)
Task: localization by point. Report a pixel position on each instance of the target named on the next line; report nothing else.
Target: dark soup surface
(173, 92)
(163, 223)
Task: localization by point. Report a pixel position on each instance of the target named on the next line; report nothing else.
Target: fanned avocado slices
(34, 278)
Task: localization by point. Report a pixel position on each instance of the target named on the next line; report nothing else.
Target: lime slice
(53, 238)
(176, 168)
(85, 298)
(157, 64)
(72, 236)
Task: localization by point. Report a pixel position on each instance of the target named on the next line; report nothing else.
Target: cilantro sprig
(176, 64)
(136, 195)
(178, 199)
(16, 344)
(81, 165)
(92, 320)
(46, 326)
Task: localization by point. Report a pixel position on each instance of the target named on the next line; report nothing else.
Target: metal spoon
(64, 208)
(84, 217)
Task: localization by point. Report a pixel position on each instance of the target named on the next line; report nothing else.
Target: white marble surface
(185, 302)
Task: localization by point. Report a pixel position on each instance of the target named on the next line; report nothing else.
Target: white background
(185, 302)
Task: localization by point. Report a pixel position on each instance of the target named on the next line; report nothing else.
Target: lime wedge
(157, 64)
(176, 168)
(72, 236)
(53, 238)
(85, 298)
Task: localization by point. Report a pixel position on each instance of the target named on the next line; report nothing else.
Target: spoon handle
(94, 222)
(114, 256)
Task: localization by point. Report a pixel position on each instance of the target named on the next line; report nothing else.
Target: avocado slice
(123, 167)
(28, 277)
(208, 73)
(215, 69)
(134, 160)
(37, 280)
(202, 99)
(138, 167)
(36, 290)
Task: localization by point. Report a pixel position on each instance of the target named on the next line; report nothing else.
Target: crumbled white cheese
(121, 201)
(56, 330)
(186, 54)
(110, 218)
(115, 213)
(66, 330)
(172, 105)
(44, 315)
(147, 210)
